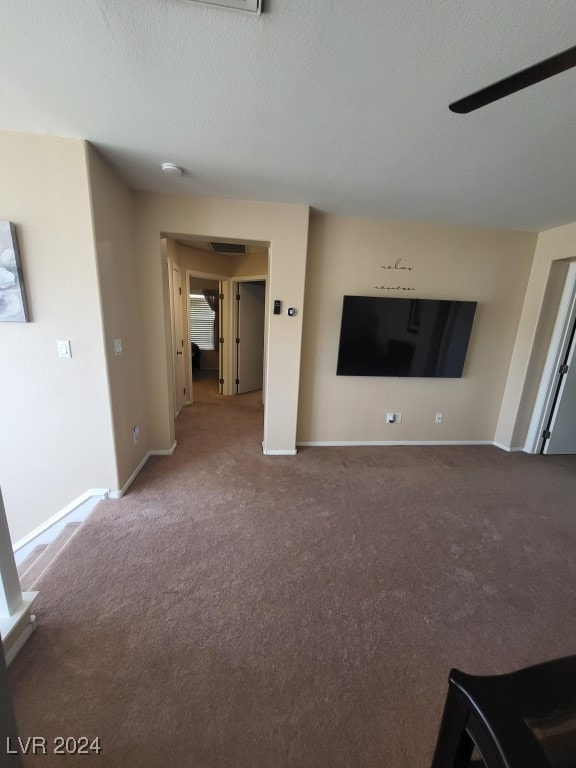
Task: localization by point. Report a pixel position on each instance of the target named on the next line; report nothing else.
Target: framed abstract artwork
(13, 304)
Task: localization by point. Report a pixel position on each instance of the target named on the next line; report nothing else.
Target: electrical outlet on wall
(393, 418)
(136, 433)
(438, 419)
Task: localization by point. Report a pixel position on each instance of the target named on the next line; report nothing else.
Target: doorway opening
(232, 311)
(249, 335)
(553, 425)
(224, 353)
(204, 331)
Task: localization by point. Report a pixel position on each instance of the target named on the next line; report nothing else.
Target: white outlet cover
(64, 349)
(117, 346)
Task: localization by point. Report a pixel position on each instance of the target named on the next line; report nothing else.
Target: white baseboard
(77, 509)
(508, 448)
(167, 452)
(280, 452)
(119, 494)
(352, 443)
(128, 483)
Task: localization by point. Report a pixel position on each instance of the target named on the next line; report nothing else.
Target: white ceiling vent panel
(252, 6)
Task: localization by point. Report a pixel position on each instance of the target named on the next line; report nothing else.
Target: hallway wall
(113, 222)
(542, 297)
(286, 228)
(367, 257)
(57, 440)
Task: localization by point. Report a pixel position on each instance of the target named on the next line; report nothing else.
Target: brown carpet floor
(242, 611)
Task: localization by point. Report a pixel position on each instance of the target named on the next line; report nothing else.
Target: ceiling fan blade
(534, 74)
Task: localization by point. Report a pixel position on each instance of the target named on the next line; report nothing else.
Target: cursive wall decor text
(393, 288)
(396, 266)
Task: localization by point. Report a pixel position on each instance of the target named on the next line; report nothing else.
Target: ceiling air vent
(228, 247)
(252, 6)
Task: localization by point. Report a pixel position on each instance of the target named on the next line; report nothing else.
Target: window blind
(201, 322)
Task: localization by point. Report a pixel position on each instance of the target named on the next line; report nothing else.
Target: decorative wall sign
(393, 288)
(396, 266)
(13, 305)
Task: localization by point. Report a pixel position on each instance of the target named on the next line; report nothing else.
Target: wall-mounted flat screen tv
(384, 336)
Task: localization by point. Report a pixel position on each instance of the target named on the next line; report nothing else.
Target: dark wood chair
(524, 719)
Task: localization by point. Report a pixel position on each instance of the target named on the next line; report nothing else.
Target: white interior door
(562, 427)
(178, 341)
(250, 336)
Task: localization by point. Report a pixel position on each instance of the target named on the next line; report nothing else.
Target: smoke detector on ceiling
(172, 169)
(251, 6)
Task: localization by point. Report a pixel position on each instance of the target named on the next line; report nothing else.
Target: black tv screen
(383, 336)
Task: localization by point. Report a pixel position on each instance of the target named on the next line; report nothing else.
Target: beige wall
(286, 228)
(113, 222)
(345, 257)
(203, 261)
(252, 265)
(225, 265)
(64, 424)
(56, 437)
(201, 283)
(534, 332)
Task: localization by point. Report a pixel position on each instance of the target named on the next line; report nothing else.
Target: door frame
(223, 282)
(234, 318)
(227, 324)
(175, 332)
(559, 345)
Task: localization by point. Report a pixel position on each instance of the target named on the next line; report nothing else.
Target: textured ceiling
(342, 106)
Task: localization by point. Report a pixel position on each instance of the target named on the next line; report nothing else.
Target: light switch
(64, 349)
(117, 346)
